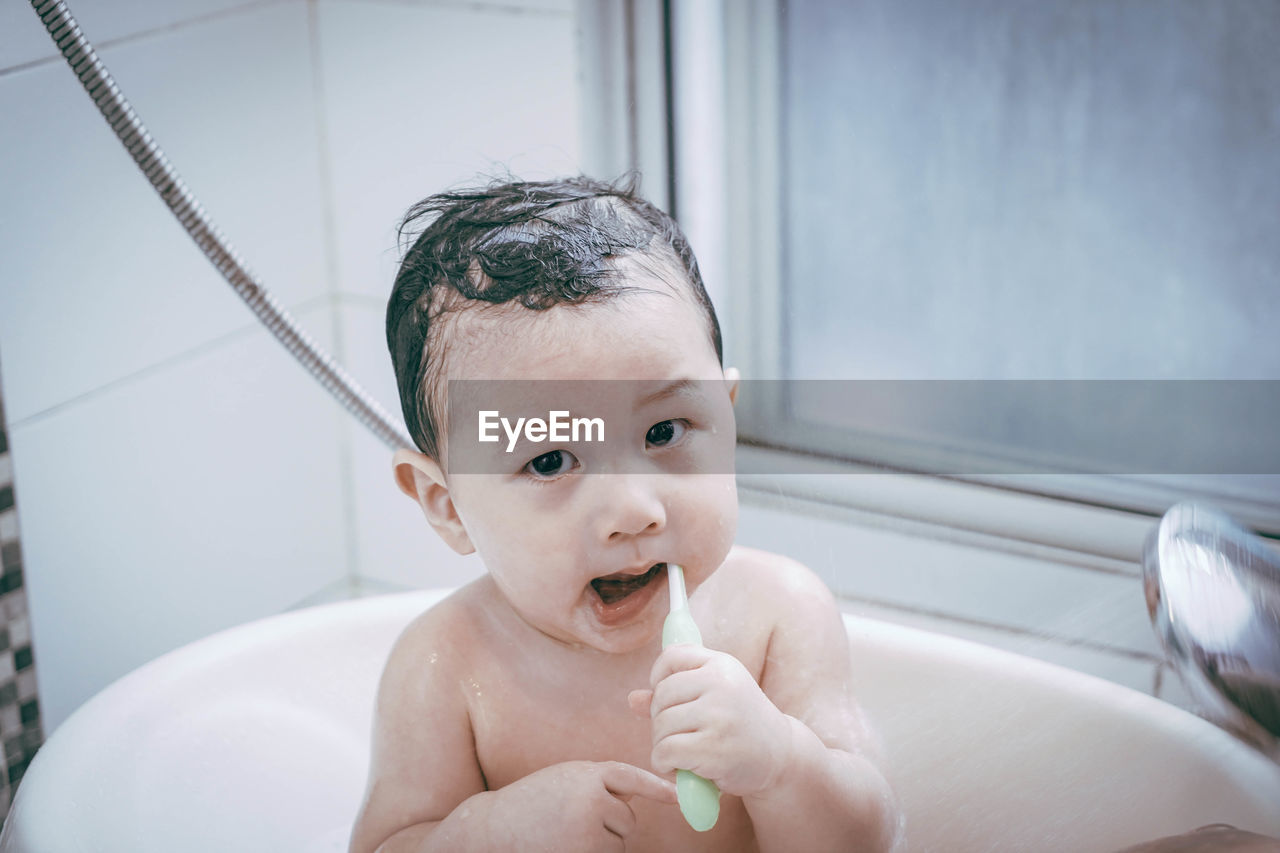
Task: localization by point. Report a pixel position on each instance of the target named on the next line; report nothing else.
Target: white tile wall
(976, 584)
(1136, 673)
(395, 543)
(103, 21)
(419, 98)
(200, 495)
(363, 321)
(99, 281)
(1171, 688)
(1073, 617)
(179, 473)
(564, 7)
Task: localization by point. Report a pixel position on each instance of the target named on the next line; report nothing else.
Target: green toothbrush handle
(680, 629)
(699, 798)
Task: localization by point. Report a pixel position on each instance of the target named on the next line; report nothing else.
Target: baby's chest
(520, 730)
(517, 739)
(522, 723)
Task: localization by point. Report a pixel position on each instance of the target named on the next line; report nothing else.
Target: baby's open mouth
(615, 587)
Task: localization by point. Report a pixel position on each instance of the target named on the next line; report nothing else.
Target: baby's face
(576, 534)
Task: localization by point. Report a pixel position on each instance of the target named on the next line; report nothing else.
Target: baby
(535, 708)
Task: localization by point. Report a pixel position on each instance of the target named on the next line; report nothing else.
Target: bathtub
(257, 739)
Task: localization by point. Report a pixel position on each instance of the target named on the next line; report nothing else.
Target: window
(1023, 194)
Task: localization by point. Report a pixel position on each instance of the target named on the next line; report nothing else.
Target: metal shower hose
(142, 148)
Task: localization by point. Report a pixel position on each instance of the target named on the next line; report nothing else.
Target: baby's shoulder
(772, 577)
(772, 587)
(438, 644)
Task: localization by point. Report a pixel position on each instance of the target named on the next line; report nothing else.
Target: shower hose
(133, 135)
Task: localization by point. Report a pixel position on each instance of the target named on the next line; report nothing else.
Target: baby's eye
(664, 433)
(550, 465)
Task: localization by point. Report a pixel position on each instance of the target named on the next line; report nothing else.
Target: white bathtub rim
(1174, 720)
(391, 613)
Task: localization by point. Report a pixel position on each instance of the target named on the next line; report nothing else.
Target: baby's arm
(793, 747)
(423, 763)
(831, 794)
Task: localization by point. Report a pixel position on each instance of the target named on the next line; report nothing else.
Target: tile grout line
(141, 35)
(362, 300)
(1009, 630)
(156, 368)
(329, 229)
(20, 698)
(473, 6)
(347, 589)
(322, 594)
(834, 510)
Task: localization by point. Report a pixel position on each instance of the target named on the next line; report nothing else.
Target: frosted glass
(1032, 190)
(995, 189)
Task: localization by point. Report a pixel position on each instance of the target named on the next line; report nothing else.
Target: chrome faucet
(1213, 591)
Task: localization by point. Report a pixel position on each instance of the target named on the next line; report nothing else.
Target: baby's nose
(630, 505)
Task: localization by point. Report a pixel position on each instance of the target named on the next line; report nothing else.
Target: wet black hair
(535, 244)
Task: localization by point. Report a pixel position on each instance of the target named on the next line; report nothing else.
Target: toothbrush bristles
(675, 580)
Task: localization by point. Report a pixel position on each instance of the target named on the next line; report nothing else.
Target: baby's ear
(732, 377)
(421, 478)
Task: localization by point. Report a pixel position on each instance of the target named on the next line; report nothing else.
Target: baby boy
(535, 708)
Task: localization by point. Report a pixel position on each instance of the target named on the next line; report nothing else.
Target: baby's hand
(574, 806)
(710, 716)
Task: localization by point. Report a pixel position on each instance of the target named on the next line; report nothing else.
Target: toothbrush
(699, 798)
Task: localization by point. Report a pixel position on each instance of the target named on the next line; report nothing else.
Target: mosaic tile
(26, 681)
(32, 738)
(10, 581)
(10, 719)
(20, 728)
(19, 631)
(11, 555)
(15, 605)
